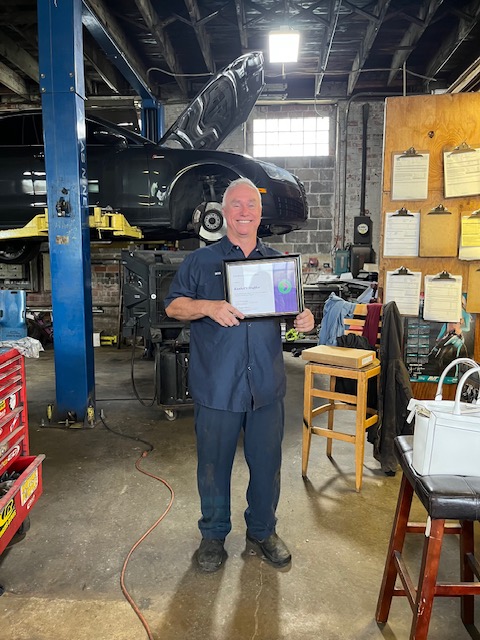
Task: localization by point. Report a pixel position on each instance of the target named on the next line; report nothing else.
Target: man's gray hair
(236, 183)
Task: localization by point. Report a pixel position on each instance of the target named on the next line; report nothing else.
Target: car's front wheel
(18, 251)
(208, 221)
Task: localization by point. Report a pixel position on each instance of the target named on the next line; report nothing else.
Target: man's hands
(304, 322)
(224, 313)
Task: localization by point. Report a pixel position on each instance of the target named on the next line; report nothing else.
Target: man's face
(242, 211)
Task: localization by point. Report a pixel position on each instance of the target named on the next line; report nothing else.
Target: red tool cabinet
(16, 465)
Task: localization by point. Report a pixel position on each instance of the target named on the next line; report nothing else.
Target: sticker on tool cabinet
(7, 514)
(10, 426)
(12, 401)
(13, 454)
(28, 487)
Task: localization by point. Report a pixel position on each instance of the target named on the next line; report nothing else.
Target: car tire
(18, 252)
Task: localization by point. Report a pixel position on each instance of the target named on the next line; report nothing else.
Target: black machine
(147, 276)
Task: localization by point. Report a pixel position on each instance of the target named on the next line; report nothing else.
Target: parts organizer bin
(447, 433)
(16, 465)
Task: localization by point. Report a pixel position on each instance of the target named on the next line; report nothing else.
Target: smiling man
(237, 381)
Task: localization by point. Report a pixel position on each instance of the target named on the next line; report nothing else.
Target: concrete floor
(62, 581)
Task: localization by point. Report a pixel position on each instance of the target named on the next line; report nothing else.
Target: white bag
(446, 438)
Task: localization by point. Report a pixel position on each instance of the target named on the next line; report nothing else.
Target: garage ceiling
(347, 47)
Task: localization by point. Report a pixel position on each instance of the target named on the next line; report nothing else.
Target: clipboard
(461, 170)
(444, 275)
(410, 175)
(439, 233)
(473, 296)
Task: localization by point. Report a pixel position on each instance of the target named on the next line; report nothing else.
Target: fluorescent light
(283, 45)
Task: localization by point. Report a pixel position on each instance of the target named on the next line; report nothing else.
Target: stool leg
(307, 418)
(397, 539)
(361, 413)
(427, 580)
(466, 571)
(333, 381)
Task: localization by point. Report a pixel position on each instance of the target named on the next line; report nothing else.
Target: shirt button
(249, 368)
(249, 324)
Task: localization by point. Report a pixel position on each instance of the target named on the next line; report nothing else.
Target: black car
(171, 189)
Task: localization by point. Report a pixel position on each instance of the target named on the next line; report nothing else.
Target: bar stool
(364, 416)
(444, 497)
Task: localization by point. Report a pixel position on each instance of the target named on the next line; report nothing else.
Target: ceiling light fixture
(283, 45)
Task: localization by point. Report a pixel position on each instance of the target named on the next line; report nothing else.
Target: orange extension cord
(154, 525)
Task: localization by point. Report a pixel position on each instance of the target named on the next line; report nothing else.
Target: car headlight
(276, 173)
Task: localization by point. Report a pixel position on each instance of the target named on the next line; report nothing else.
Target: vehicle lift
(103, 221)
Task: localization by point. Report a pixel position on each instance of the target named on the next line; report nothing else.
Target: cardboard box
(445, 443)
(340, 356)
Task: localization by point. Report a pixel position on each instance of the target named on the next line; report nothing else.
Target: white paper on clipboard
(403, 287)
(402, 234)
(443, 298)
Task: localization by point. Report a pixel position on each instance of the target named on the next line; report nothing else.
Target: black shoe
(273, 548)
(211, 554)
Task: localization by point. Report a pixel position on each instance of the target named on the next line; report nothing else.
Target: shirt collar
(228, 246)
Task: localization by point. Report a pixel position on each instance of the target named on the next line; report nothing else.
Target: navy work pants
(217, 437)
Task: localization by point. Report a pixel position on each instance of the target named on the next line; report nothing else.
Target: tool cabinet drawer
(10, 422)
(24, 487)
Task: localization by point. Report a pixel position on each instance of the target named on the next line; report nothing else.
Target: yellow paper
(470, 231)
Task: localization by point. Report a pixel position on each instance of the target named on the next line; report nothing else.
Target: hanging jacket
(335, 311)
(395, 391)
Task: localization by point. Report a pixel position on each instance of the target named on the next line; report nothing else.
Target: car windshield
(26, 129)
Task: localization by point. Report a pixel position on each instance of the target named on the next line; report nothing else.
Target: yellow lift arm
(102, 221)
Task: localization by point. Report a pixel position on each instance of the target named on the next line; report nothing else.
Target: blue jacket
(335, 311)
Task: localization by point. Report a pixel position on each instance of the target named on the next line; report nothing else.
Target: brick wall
(105, 262)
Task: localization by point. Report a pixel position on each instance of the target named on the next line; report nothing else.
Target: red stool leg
(466, 571)
(427, 580)
(397, 540)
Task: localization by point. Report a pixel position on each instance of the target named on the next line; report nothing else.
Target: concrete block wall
(351, 153)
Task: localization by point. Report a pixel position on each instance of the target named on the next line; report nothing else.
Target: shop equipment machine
(147, 276)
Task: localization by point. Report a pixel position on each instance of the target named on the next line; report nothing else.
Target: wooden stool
(365, 416)
(444, 497)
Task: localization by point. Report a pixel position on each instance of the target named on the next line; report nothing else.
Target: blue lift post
(62, 87)
(152, 119)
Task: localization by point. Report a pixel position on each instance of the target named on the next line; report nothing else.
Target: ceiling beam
(240, 12)
(13, 81)
(105, 29)
(105, 69)
(467, 21)
(366, 44)
(201, 33)
(327, 41)
(365, 14)
(412, 35)
(468, 76)
(18, 56)
(163, 41)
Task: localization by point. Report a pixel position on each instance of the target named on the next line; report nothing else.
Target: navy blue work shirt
(237, 368)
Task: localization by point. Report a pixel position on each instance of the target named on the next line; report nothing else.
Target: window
(280, 137)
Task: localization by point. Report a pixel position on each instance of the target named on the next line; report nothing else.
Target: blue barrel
(13, 304)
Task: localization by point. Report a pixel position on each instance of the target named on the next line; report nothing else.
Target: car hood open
(222, 105)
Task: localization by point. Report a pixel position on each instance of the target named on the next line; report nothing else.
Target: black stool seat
(444, 497)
